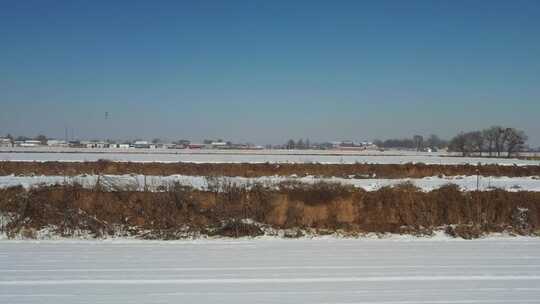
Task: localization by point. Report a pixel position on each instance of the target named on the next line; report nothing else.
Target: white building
(353, 145)
(30, 143)
(142, 144)
(56, 143)
(120, 146)
(6, 143)
(95, 144)
(218, 145)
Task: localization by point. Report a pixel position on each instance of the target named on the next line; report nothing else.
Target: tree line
(494, 141)
(417, 142)
(299, 144)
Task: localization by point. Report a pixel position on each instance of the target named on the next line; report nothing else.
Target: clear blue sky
(266, 71)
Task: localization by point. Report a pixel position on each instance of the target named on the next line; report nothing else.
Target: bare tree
(500, 139)
(515, 139)
(290, 144)
(490, 136)
(42, 139)
(495, 139)
(467, 143)
(476, 141)
(459, 144)
(435, 142)
(418, 142)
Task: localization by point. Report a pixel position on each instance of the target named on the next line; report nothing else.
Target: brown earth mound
(265, 169)
(182, 211)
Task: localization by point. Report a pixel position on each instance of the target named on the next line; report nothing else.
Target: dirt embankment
(265, 169)
(325, 208)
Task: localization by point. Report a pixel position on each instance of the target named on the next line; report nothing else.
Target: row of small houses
(353, 145)
(185, 145)
(6, 142)
(141, 144)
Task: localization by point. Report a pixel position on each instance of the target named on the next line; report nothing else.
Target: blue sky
(266, 71)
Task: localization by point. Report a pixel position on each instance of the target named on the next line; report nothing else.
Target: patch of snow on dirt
(160, 183)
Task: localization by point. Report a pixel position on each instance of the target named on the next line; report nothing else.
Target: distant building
(353, 146)
(30, 143)
(6, 143)
(95, 144)
(348, 144)
(218, 145)
(120, 146)
(57, 143)
(196, 146)
(174, 146)
(141, 144)
(75, 144)
(181, 144)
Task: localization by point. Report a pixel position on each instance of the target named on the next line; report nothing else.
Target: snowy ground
(272, 156)
(271, 271)
(154, 183)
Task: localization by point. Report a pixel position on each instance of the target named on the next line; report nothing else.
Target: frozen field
(155, 183)
(271, 271)
(262, 157)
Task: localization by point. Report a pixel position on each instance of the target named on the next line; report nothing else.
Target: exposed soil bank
(265, 169)
(326, 208)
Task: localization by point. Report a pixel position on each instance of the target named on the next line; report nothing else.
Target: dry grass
(183, 210)
(266, 169)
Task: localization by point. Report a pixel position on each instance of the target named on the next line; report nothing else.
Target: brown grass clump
(315, 194)
(237, 229)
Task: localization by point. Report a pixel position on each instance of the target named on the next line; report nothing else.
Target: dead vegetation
(233, 211)
(264, 169)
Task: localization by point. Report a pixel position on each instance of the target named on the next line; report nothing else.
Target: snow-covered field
(280, 156)
(403, 271)
(155, 183)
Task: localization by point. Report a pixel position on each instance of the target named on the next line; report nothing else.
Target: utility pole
(478, 177)
(106, 124)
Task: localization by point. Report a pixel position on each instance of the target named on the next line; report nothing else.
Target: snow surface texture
(323, 270)
(156, 183)
(259, 157)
